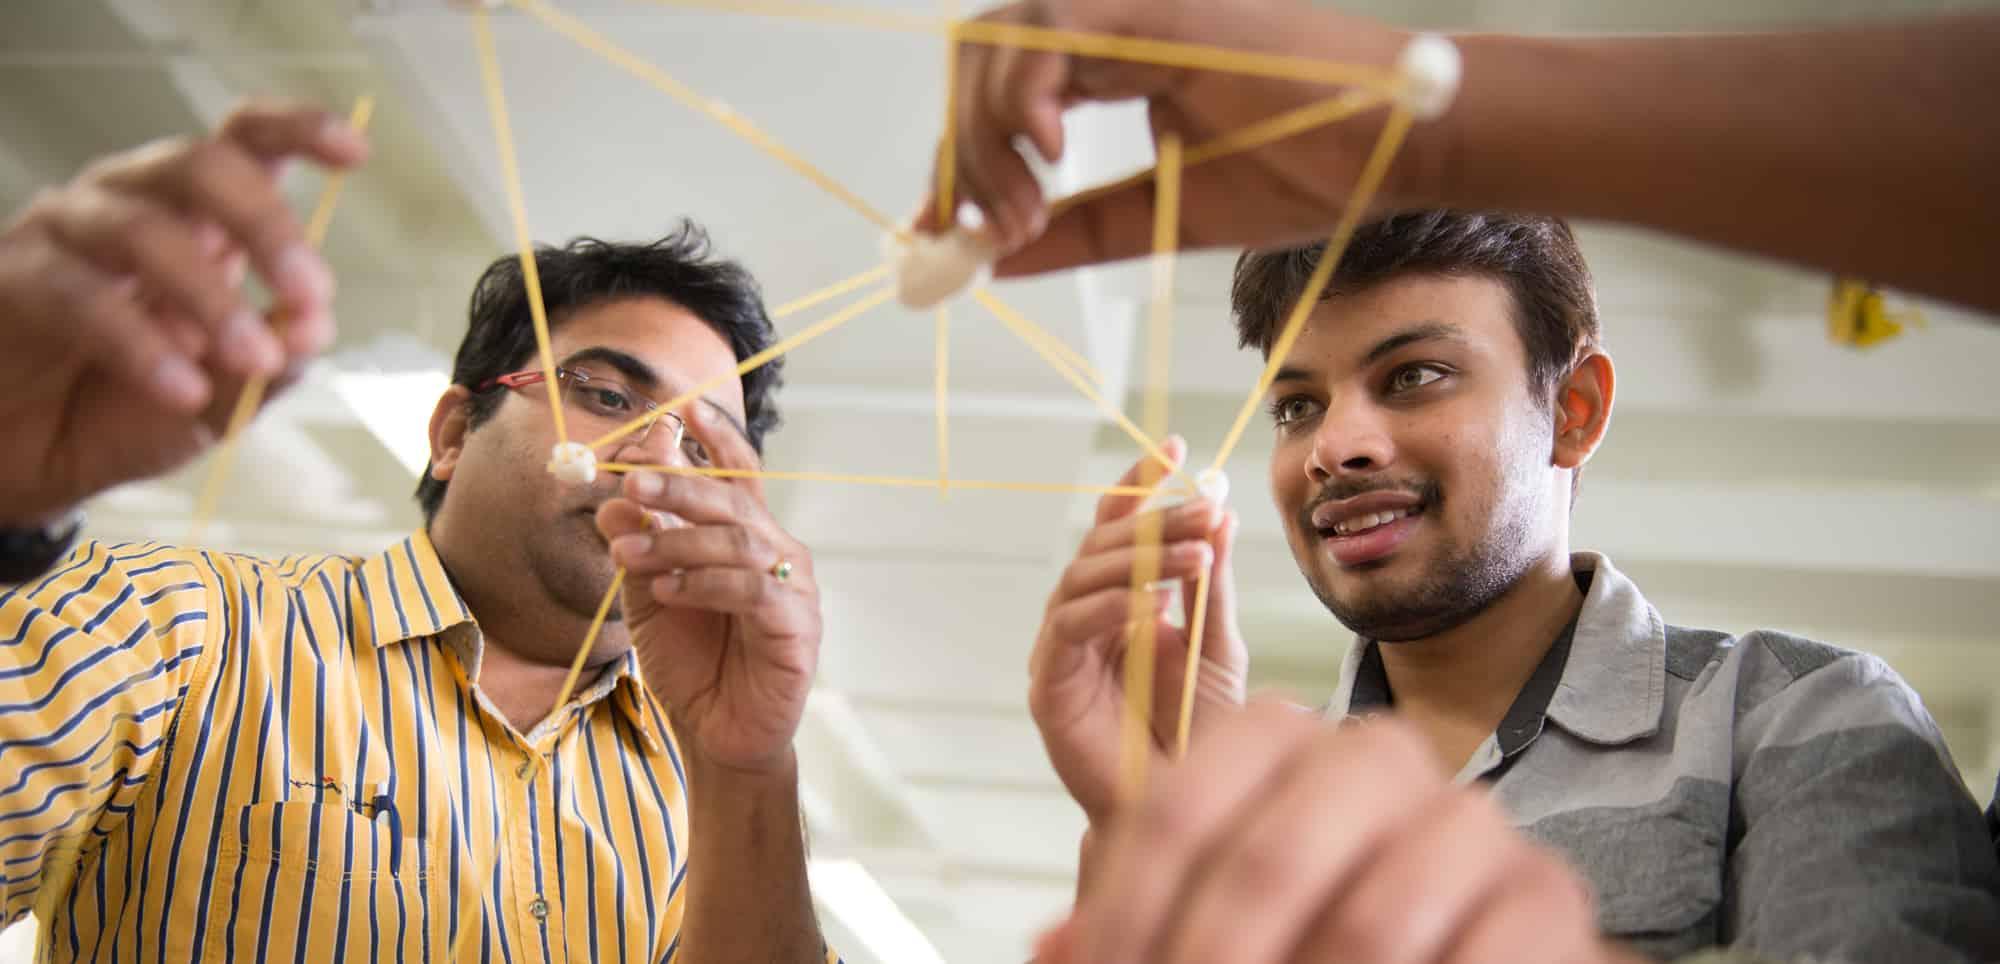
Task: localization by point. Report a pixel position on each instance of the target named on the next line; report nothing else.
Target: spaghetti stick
(1136, 735)
(1365, 186)
(947, 158)
(517, 209)
(625, 60)
(589, 639)
(1023, 330)
(1196, 623)
(888, 481)
(830, 292)
(1164, 53)
(1270, 130)
(835, 320)
(1168, 53)
(252, 397)
(1054, 344)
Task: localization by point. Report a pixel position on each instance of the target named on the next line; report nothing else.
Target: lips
(1367, 528)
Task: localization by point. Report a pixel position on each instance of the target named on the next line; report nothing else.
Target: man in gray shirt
(1762, 792)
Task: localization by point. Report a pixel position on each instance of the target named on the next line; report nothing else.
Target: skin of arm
(1867, 151)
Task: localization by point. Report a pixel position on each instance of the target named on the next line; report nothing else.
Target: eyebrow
(628, 365)
(1428, 331)
(643, 374)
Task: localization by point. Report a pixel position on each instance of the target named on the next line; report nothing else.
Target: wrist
(710, 781)
(40, 518)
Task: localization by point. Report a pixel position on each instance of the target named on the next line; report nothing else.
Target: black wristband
(28, 553)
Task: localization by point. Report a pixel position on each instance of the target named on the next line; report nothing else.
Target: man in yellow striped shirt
(206, 756)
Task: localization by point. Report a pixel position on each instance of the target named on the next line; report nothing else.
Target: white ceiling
(1755, 475)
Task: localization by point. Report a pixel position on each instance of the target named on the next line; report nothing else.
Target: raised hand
(1285, 839)
(1077, 686)
(723, 640)
(1288, 191)
(122, 306)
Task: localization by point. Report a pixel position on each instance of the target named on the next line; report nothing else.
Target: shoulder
(1784, 688)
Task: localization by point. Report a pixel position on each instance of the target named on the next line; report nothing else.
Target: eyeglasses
(609, 402)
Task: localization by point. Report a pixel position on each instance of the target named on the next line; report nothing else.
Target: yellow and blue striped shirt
(211, 757)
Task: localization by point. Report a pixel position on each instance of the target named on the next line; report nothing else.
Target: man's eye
(1412, 377)
(608, 401)
(1292, 408)
(697, 453)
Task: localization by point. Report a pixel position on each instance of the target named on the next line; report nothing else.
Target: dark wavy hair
(1555, 305)
(681, 268)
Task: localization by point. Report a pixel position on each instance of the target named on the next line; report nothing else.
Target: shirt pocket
(315, 881)
(1657, 872)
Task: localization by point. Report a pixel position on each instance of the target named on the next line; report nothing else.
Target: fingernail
(302, 277)
(648, 485)
(313, 334)
(338, 135)
(179, 382)
(627, 548)
(248, 344)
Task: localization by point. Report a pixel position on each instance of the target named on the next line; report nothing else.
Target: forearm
(747, 897)
(1868, 151)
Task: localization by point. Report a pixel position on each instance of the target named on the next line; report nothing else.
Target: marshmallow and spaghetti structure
(928, 272)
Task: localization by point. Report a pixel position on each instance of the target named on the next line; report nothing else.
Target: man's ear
(1583, 410)
(450, 420)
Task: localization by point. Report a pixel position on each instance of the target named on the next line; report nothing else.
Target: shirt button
(539, 908)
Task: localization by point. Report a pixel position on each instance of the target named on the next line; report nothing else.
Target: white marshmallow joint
(1430, 69)
(1213, 485)
(574, 463)
(931, 269)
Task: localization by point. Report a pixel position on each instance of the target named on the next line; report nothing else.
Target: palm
(101, 433)
(733, 690)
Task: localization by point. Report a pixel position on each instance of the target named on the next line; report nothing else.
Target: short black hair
(1537, 258)
(680, 267)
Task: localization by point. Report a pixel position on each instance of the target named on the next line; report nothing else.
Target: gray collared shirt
(1763, 790)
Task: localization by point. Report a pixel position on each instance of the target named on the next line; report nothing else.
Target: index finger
(275, 130)
(1116, 505)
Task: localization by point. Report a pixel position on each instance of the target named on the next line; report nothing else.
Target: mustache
(1335, 490)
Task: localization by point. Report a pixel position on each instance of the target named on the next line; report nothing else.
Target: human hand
(728, 646)
(1282, 838)
(1077, 689)
(1289, 191)
(122, 305)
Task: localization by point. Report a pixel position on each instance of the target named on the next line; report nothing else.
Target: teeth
(1363, 523)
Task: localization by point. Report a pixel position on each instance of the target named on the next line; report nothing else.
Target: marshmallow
(1213, 484)
(933, 268)
(1430, 68)
(574, 463)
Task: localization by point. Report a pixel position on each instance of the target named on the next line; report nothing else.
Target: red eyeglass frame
(534, 376)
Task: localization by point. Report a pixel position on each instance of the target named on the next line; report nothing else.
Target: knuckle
(1262, 869)
(1165, 824)
(1363, 931)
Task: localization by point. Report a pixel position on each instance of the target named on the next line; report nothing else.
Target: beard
(574, 567)
(1455, 584)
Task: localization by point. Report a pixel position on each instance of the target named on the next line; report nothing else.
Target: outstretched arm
(1865, 150)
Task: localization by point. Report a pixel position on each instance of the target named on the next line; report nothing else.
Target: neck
(1458, 685)
(521, 685)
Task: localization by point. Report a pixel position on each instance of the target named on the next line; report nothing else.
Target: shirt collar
(1614, 689)
(406, 594)
(1604, 678)
(1369, 691)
